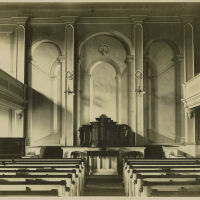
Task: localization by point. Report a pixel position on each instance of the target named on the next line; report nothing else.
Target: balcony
(191, 92)
(12, 92)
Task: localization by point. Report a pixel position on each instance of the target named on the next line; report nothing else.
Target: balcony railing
(12, 92)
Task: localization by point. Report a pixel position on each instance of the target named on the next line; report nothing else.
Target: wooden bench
(50, 177)
(37, 185)
(162, 166)
(46, 169)
(148, 187)
(160, 172)
(138, 182)
(129, 171)
(73, 183)
(79, 169)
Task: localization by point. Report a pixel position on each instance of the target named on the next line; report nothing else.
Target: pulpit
(104, 132)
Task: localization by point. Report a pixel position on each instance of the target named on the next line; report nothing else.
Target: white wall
(103, 69)
(43, 91)
(161, 94)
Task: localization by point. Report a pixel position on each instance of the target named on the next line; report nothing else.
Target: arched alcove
(46, 93)
(103, 91)
(161, 92)
(103, 71)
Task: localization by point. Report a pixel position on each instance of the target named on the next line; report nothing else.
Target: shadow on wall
(155, 137)
(46, 121)
(139, 140)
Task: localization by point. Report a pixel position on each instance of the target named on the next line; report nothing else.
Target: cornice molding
(19, 20)
(54, 20)
(189, 18)
(14, 21)
(6, 21)
(163, 19)
(104, 20)
(138, 18)
(100, 20)
(49, 20)
(69, 19)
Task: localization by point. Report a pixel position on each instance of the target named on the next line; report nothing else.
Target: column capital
(129, 58)
(188, 19)
(78, 60)
(190, 112)
(61, 59)
(138, 18)
(69, 20)
(178, 58)
(20, 21)
(30, 59)
(118, 76)
(89, 75)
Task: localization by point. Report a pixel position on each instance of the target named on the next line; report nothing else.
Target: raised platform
(36, 150)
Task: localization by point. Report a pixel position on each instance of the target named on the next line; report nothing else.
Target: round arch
(38, 43)
(54, 67)
(116, 68)
(125, 41)
(92, 65)
(171, 43)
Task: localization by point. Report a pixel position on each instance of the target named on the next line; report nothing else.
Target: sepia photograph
(99, 99)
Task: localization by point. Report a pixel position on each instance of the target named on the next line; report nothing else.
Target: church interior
(100, 99)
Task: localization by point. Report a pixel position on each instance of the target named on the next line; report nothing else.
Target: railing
(12, 92)
(191, 92)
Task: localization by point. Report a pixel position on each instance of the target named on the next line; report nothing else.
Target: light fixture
(139, 76)
(69, 91)
(69, 75)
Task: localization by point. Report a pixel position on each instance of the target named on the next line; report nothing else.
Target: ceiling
(117, 9)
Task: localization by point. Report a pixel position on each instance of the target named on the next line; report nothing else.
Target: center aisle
(104, 185)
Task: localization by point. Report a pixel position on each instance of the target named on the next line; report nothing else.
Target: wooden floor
(104, 185)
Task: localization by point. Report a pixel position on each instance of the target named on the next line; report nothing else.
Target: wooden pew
(129, 169)
(41, 166)
(73, 184)
(37, 185)
(138, 183)
(161, 161)
(154, 165)
(130, 162)
(42, 178)
(149, 187)
(44, 161)
(79, 183)
(58, 166)
(160, 173)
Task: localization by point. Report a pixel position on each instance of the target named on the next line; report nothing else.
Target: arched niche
(115, 34)
(46, 93)
(114, 57)
(104, 89)
(161, 99)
